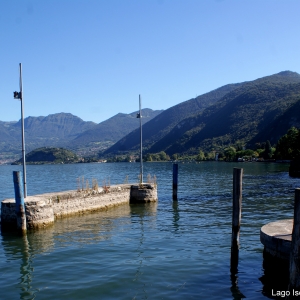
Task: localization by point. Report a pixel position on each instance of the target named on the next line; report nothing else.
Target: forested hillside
(110, 131)
(161, 125)
(49, 155)
(237, 115)
(250, 113)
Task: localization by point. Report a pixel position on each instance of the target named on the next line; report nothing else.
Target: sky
(93, 58)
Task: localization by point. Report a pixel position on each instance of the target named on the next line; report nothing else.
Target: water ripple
(169, 250)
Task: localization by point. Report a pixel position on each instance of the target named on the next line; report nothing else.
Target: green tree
(230, 154)
(148, 157)
(267, 154)
(210, 155)
(288, 146)
(247, 153)
(163, 155)
(200, 156)
(239, 146)
(175, 156)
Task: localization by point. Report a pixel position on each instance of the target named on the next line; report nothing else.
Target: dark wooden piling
(20, 205)
(236, 218)
(294, 283)
(175, 181)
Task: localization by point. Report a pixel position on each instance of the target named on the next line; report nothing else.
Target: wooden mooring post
(20, 205)
(236, 218)
(175, 181)
(294, 284)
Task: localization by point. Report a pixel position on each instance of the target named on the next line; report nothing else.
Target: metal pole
(141, 150)
(23, 135)
(20, 205)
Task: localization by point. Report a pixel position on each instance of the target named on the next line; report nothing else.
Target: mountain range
(110, 131)
(67, 130)
(247, 113)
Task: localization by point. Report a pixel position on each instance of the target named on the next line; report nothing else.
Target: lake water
(156, 251)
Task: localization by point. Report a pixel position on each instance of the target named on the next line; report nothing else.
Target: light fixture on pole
(139, 115)
(19, 95)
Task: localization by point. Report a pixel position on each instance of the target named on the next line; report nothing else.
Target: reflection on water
(176, 216)
(164, 250)
(81, 231)
(235, 291)
(26, 271)
(18, 248)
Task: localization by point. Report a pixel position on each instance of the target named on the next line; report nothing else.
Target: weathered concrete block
(8, 215)
(276, 237)
(39, 213)
(143, 193)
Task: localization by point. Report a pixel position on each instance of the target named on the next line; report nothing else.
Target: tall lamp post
(139, 115)
(19, 95)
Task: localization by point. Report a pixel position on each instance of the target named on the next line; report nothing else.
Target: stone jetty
(42, 210)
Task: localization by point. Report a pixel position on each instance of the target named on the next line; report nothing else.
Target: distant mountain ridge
(60, 125)
(161, 125)
(113, 129)
(239, 117)
(66, 130)
(246, 113)
(53, 130)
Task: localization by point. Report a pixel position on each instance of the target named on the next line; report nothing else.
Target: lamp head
(17, 95)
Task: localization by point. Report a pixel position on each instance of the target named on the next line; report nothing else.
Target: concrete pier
(42, 210)
(277, 237)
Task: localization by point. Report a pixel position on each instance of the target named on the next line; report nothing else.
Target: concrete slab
(277, 238)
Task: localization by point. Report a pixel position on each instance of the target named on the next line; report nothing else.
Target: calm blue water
(156, 251)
